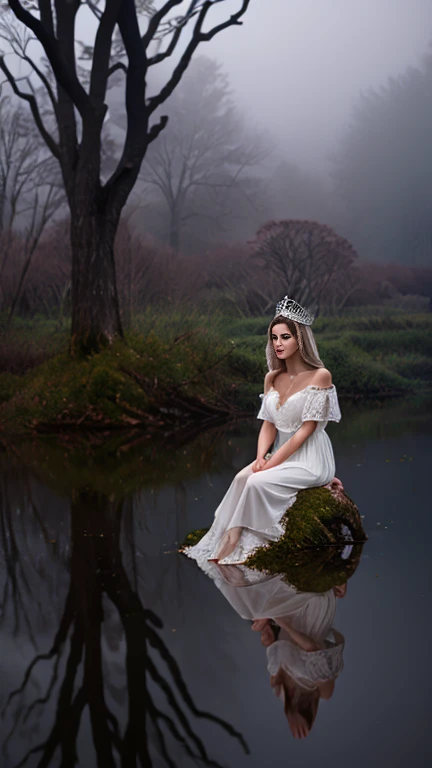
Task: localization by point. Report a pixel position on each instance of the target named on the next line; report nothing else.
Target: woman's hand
(273, 461)
(259, 463)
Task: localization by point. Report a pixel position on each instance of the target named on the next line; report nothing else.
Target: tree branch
(102, 50)
(119, 65)
(49, 141)
(198, 36)
(67, 79)
(156, 20)
(181, 24)
(156, 129)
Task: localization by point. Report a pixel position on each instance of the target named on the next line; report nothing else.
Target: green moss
(125, 384)
(318, 570)
(194, 537)
(308, 553)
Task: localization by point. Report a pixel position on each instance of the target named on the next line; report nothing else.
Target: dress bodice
(311, 403)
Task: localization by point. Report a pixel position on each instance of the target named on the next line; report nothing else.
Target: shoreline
(176, 372)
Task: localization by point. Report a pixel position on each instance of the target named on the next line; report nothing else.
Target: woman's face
(284, 343)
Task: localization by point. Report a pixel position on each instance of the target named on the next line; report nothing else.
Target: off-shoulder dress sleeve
(321, 404)
(263, 411)
(314, 666)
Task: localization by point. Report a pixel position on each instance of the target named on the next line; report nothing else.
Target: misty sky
(298, 66)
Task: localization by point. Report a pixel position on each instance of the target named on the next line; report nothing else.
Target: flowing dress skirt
(257, 501)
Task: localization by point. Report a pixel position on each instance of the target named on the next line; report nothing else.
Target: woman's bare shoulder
(322, 378)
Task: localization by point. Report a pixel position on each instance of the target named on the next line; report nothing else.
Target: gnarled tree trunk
(95, 305)
(79, 109)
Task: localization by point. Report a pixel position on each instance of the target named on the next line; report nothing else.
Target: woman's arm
(266, 438)
(267, 433)
(304, 641)
(323, 378)
(291, 446)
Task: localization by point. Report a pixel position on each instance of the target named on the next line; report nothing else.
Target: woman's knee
(244, 474)
(255, 480)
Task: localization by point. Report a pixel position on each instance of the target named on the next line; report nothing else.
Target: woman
(294, 451)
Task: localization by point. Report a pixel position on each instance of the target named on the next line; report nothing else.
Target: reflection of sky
(376, 715)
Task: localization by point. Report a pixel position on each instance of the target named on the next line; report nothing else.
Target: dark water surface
(117, 651)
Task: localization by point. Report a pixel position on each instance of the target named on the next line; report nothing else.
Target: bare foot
(338, 483)
(340, 591)
(229, 542)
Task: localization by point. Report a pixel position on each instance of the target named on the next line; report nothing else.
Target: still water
(115, 650)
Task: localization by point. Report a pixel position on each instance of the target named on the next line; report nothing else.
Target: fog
(325, 116)
(298, 66)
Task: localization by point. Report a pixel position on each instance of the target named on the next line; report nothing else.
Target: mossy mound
(194, 537)
(309, 554)
(320, 569)
(147, 382)
(310, 551)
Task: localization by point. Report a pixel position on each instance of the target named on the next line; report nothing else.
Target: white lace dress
(256, 501)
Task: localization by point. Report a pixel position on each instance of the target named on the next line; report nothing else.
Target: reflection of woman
(304, 651)
(298, 401)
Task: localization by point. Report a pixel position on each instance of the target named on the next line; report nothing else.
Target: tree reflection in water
(161, 713)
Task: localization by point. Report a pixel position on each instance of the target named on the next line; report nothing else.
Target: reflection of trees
(159, 706)
(20, 522)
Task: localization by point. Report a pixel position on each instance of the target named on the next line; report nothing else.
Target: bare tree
(80, 112)
(311, 258)
(30, 195)
(200, 164)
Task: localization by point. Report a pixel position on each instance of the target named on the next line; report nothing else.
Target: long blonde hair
(305, 339)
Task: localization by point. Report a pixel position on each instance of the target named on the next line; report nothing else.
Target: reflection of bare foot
(298, 725)
(231, 574)
(341, 590)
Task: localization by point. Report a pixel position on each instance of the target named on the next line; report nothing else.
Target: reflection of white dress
(256, 596)
(257, 501)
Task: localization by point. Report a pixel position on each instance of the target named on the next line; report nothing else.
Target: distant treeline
(234, 280)
(208, 183)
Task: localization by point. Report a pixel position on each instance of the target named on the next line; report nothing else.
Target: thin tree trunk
(174, 238)
(95, 305)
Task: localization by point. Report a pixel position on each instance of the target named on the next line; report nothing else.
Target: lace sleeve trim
(321, 404)
(263, 412)
(325, 664)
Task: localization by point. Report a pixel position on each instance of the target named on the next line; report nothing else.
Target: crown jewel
(289, 308)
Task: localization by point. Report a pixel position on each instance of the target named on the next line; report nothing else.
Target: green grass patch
(219, 363)
(124, 384)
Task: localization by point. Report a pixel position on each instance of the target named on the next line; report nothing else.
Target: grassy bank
(177, 368)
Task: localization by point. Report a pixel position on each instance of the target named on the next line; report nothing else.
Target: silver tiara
(289, 308)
